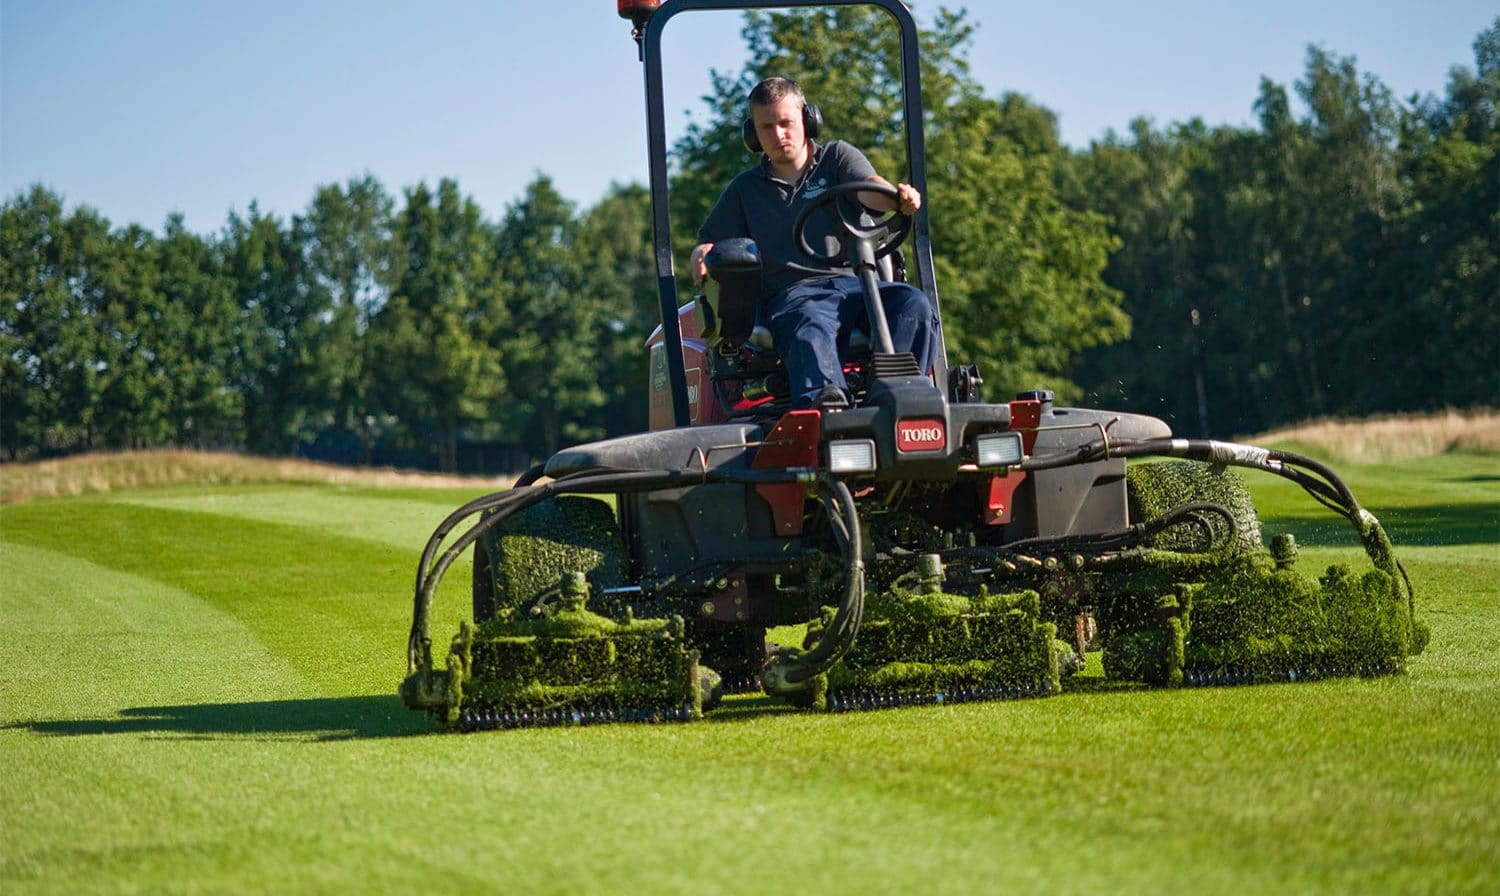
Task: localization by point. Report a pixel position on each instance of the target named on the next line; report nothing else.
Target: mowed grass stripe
(335, 607)
(375, 514)
(81, 641)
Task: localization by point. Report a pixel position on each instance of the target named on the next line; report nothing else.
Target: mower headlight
(851, 456)
(998, 449)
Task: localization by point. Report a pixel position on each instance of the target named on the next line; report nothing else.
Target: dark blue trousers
(810, 321)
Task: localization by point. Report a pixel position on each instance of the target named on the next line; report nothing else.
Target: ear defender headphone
(812, 123)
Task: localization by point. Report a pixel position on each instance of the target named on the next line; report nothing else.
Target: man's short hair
(773, 90)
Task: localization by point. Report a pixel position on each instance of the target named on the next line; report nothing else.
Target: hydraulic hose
(1314, 477)
(790, 671)
(1136, 535)
(432, 566)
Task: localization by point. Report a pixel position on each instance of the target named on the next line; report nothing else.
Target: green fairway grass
(197, 694)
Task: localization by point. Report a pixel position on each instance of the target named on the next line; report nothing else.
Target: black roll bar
(656, 139)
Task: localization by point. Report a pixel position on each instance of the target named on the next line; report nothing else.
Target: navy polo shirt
(759, 205)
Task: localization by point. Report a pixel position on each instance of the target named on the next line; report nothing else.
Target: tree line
(1229, 279)
(365, 329)
(1343, 262)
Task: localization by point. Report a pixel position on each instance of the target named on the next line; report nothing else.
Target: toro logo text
(921, 435)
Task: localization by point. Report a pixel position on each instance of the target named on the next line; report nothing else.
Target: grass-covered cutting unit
(937, 548)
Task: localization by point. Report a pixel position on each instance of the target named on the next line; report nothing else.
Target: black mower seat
(734, 293)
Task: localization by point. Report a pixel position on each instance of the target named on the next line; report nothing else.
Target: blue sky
(147, 107)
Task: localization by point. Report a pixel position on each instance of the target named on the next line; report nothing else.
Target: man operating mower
(810, 303)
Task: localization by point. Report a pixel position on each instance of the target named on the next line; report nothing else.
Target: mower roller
(927, 547)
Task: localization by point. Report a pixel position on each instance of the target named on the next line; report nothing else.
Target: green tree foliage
(561, 299)
(282, 318)
(433, 367)
(1019, 273)
(1144, 186)
(616, 234)
(1331, 179)
(346, 238)
(1340, 262)
(1436, 287)
(50, 381)
(112, 339)
(138, 336)
(199, 319)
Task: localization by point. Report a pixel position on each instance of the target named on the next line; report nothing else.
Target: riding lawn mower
(925, 546)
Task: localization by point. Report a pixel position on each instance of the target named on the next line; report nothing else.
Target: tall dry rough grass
(1374, 440)
(1394, 437)
(105, 472)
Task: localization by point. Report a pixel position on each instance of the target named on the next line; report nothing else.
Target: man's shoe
(831, 398)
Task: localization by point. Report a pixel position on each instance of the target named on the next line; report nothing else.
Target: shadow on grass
(1432, 525)
(328, 719)
(379, 717)
(333, 718)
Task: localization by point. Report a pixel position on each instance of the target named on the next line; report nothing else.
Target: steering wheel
(882, 237)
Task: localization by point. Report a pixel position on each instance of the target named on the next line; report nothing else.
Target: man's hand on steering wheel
(907, 200)
(911, 200)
